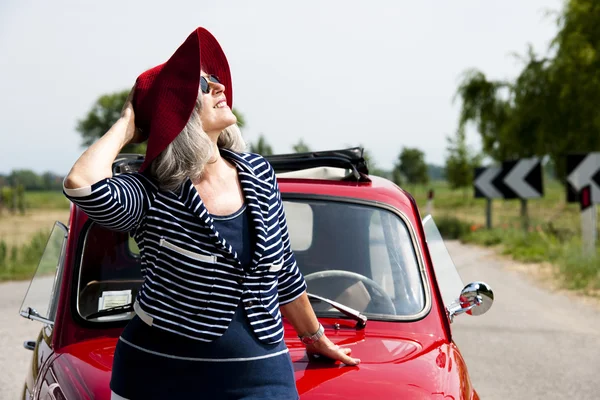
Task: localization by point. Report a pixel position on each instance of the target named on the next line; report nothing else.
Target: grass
(46, 200)
(554, 234)
(20, 262)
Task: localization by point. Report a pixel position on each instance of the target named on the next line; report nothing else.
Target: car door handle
(29, 344)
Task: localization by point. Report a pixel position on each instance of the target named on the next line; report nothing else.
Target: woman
(215, 251)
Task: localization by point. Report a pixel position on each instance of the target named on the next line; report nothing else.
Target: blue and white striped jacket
(193, 279)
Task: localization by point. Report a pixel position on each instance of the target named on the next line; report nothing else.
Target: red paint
(408, 360)
(585, 197)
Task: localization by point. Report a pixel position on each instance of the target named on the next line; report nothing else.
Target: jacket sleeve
(118, 203)
(291, 283)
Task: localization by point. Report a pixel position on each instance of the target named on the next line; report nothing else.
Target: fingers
(346, 359)
(343, 355)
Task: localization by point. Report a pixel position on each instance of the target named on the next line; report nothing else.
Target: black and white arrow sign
(483, 182)
(583, 170)
(521, 179)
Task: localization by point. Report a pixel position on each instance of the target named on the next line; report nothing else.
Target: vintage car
(379, 277)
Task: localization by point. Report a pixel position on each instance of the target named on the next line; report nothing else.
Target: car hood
(419, 367)
(413, 367)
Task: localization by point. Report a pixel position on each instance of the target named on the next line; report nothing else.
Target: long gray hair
(191, 150)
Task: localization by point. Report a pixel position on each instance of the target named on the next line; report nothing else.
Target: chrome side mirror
(475, 299)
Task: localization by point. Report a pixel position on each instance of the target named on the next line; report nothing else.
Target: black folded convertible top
(351, 159)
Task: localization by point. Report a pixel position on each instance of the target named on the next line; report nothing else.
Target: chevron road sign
(521, 179)
(583, 170)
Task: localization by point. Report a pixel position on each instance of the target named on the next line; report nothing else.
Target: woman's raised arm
(96, 162)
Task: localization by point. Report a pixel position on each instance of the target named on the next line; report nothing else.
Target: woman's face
(216, 114)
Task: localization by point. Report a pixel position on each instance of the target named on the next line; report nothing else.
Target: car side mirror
(475, 299)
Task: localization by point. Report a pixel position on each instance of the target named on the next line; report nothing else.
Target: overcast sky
(335, 73)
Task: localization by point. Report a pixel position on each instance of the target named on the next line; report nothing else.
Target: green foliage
(46, 200)
(551, 108)
(484, 237)
(21, 262)
(436, 172)
(411, 166)
(104, 113)
(452, 227)
(579, 271)
(301, 147)
(32, 181)
(261, 147)
(461, 162)
(20, 198)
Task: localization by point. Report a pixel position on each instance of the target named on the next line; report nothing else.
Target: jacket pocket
(276, 267)
(197, 256)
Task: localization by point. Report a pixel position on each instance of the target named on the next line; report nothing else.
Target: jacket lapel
(191, 199)
(259, 209)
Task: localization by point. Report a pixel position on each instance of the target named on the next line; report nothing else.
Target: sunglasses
(204, 86)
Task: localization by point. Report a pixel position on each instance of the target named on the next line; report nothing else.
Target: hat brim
(170, 90)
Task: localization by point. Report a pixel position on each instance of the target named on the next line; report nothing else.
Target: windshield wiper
(111, 311)
(361, 320)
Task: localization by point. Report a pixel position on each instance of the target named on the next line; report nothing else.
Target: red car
(380, 279)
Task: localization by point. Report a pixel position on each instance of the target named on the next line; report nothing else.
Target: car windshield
(362, 256)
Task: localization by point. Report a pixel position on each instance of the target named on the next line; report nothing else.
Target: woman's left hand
(326, 348)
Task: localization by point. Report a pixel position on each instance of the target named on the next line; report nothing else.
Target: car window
(109, 272)
(449, 281)
(359, 255)
(41, 299)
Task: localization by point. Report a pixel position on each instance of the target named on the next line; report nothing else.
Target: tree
(460, 162)
(29, 179)
(106, 111)
(551, 108)
(261, 146)
(301, 147)
(372, 165)
(411, 166)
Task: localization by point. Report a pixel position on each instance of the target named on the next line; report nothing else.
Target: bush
(452, 227)
(485, 237)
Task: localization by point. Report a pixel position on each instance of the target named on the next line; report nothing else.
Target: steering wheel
(388, 303)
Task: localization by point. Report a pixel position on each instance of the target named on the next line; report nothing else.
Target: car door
(41, 301)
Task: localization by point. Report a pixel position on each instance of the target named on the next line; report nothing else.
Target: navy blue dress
(151, 363)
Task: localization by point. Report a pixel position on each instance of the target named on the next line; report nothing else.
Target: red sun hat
(165, 95)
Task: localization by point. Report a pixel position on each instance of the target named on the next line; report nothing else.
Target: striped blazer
(193, 279)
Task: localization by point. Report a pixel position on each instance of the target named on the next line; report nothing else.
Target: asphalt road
(532, 344)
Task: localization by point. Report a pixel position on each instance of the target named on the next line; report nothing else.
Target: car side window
(41, 299)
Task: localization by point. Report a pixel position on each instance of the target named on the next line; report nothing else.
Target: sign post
(589, 232)
(583, 186)
(429, 206)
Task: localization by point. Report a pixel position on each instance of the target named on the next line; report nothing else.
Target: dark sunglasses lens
(204, 85)
(214, 79)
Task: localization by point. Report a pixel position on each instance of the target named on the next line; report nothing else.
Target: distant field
(46, 200)
(19, 229)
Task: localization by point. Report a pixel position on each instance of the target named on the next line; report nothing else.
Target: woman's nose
(217, 88)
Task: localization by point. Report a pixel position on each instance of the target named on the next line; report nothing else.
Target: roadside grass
(554, 234)
(20, 262)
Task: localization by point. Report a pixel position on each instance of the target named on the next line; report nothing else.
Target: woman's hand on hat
(134, 135)
(327, 348)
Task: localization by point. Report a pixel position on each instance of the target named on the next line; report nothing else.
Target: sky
(382, 74)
